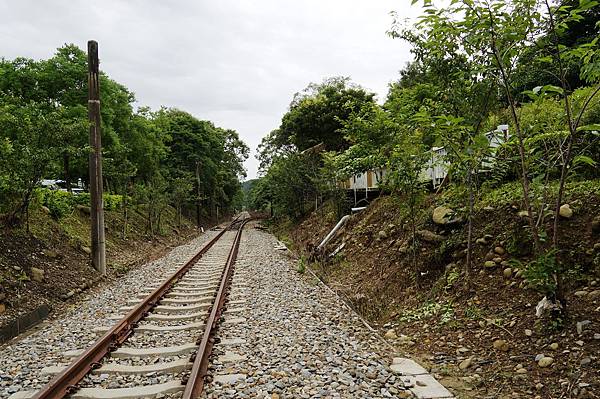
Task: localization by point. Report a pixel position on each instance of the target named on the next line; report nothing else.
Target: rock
(50, 253)
(539, 386)
(68, 295)
(37, 274)
(501, 345)
(581, 324)
(597, 246)
(586, 360)
(545, 361)
(465, 364)
(507, 272)
(391, 334)
(499, 250)
(85, 249)
(594, 294)
(581, 293)
(489, 264)
(528, 333)
(565, 211)
(521, 370)
(579, 342)
(490, 256)
(596, 336)
(481, 241)
(382, 235)
(554, 346)
(45, 209)
(498, 260)
(429, 236)
(2, 308)
(523, 214)
(538, 357)
(441, 215)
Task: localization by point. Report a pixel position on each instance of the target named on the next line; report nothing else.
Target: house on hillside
(366, 185)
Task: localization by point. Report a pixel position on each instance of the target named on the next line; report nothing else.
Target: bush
(112, 201)
(60, 203)
(540, 272)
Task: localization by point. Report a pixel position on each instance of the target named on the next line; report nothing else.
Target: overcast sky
(237, 63)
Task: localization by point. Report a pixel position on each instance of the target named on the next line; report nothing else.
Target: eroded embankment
(43, 269)
(479, 333)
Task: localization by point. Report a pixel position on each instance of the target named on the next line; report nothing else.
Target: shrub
(540, 272)
(60, 203)
(112, 201)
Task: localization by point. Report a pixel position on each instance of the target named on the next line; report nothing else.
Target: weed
(301, 265)
(540, 273)
(447, 313)
(429, 309)
(473, 312)
(452, 277)
(23, 277)
(119, 268)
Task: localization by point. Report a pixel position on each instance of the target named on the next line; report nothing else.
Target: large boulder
(442, 215)
(565, 211)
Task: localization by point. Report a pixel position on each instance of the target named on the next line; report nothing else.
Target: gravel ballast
(23, 358)
(283, 335)
(300, 341)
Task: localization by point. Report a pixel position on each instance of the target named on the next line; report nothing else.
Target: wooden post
(95, 161)
(198, 193)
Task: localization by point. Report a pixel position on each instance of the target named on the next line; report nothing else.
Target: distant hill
(248, 184)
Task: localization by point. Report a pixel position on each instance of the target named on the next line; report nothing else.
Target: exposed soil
(60, 249)
(425, 305)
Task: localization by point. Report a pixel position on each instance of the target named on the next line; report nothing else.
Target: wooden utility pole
(95, 163)
(198, 193)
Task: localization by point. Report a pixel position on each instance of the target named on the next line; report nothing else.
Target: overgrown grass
(513, 192)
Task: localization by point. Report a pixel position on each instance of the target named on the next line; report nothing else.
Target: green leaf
(552, 89)
(594, 126)
(583, 160)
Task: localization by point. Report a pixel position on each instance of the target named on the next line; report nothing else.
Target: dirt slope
(424, 305)
(59, 250)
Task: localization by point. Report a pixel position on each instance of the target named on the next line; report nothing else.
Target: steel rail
(195, 381)
(66, 381)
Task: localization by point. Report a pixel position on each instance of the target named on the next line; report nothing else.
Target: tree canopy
(182, 160)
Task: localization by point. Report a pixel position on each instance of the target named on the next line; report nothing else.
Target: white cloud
(237, 63)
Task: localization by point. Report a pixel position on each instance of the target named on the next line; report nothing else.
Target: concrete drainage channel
(161, 343)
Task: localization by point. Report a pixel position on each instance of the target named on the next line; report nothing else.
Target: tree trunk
(469, 226)
(125, 211)
(66, 171)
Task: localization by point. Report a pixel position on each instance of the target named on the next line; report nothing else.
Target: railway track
(161, 346)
